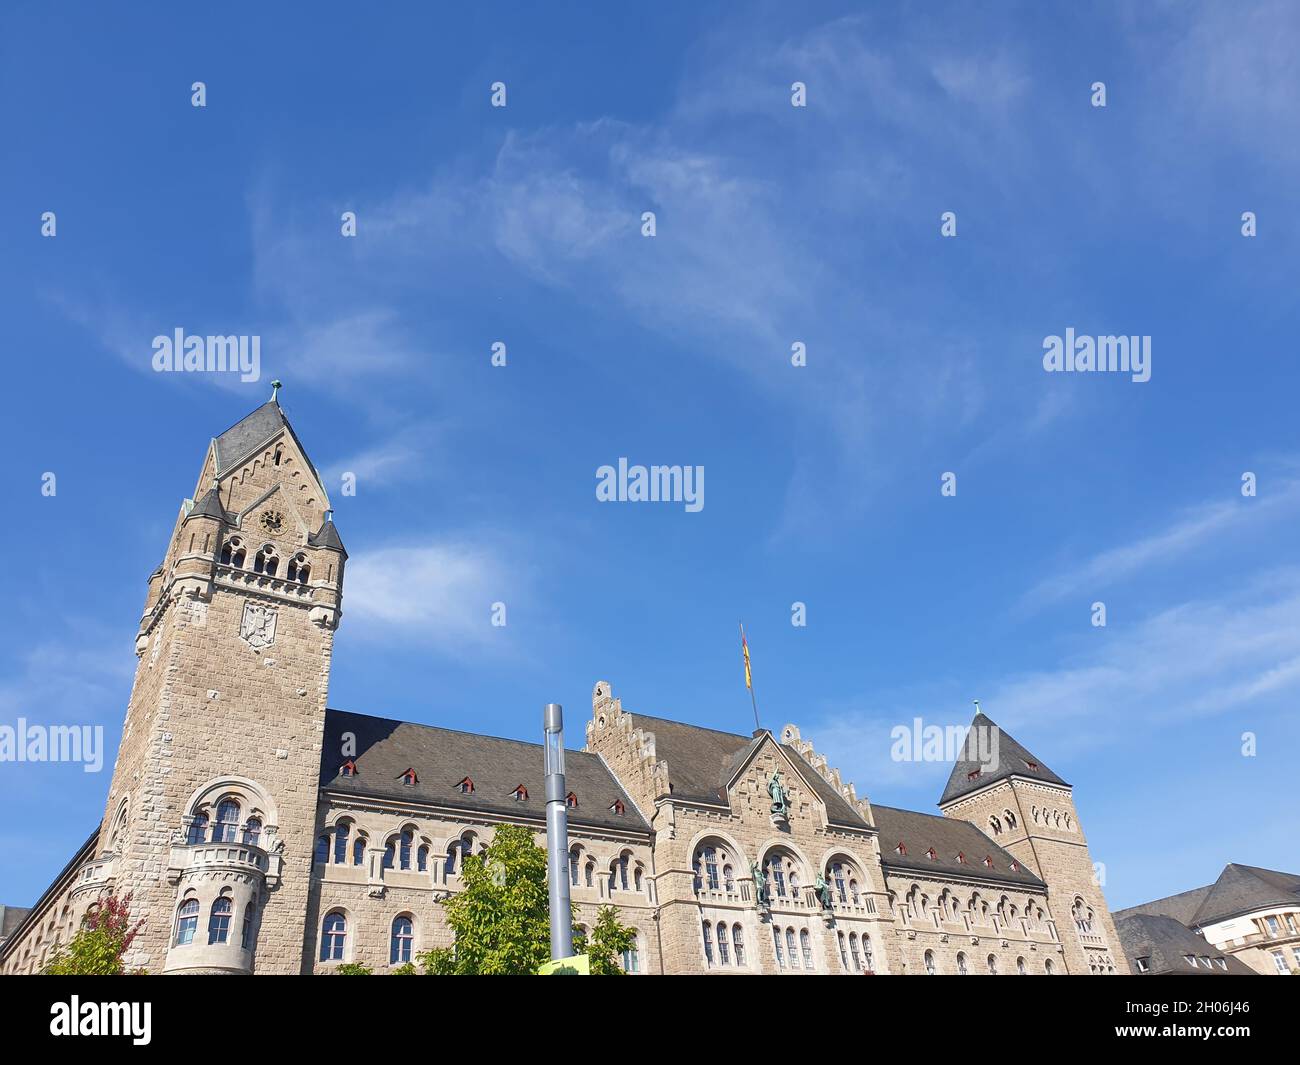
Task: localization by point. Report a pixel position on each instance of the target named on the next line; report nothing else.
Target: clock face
(272, 521)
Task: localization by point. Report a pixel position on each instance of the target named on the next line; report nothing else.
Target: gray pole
(557, 835)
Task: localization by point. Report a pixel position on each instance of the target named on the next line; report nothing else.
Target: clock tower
(209, 823)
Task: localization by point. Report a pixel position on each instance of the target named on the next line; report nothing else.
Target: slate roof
(1239, 889)
(1012, 759)
(327, 537)
(1164, 944)
(701, 761)
(249, 433)
(949, 837)
(10, 918)
(209, 507)
(442, 758)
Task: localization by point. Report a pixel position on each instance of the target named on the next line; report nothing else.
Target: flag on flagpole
(744, 649)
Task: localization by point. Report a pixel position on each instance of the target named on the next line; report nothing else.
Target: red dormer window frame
(409, 778)
(1015, 867)
(988, 862)
(1030, 765)
(618, 807)
(348, 769)
(974, 774)
(520, 793)
(961, 858)
(932, 854)
(466, 786)
(901, 848)
(571, 800)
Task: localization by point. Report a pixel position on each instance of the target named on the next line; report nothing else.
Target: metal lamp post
(557, 834)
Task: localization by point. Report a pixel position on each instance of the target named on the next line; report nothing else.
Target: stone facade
(250, 845)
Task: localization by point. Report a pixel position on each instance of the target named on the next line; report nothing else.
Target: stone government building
(259, 831)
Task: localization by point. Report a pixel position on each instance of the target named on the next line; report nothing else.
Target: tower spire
(275, 391)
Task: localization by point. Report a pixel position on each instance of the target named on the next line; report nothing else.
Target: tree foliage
(501, 917)
(104, 937)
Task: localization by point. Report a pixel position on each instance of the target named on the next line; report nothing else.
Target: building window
(187, 920)
(466, 786)
(520, 793)
(776, 943)
(575, 858)
(227, 822)
(219, 921)
(322, 849)
(422, 859)
(410, 779)
(724, 945)
(1273, 927)
(1279, 959)
(738, 942)
(341, 843)
(253, 831)
(390, 850)
(1048, 968)
(930, 969)
(399, 947)
(632, 959)
(198, 830)
(868, 959)
(1022, 971)
(348, 769)
(571, 801)
(708, 943)
(844, 950)
(962, 970)
(853, 949)
(334, 934)
(993, 965)
(246, 938)
(791, 949)
(404, 850)
(359, 851)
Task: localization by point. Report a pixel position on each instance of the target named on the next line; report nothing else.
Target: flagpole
(749, 678)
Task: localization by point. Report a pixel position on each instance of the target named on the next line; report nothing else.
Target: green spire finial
(275, 389)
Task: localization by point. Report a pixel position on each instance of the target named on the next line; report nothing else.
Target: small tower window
(279, 451)
(348, 769)
(520, 793)
(571, 800)
(410, 779)
(466, 786)
(617, 807)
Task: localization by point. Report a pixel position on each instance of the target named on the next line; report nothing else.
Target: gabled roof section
(947, 837)
(443, 759)
(1242, 888)
(1164, 943)
(970, 774)
(209, 507)
(702, 762)
(246, 436)
(1181, 907)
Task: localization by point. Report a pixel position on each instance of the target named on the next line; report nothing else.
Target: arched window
(322, 848)
(227, 822)
(266, 561)
(1020, 967)
(341, 832)
(724, 945)
(993, 965)
(791, 949)
(805, 944)
(399, 947)
(708, 942)
(246, 937)
(638, 879)
(390, 850)
(298, 569)
(868, 958)
(618, 873)
(575, 859)
(738, 942)
(589, 874)
(198, 829)
(359, 851)
(1011, 819)
(995, 825)
(422, 859)
(233, 553)
(334, 933)
(844, 950)
(187, 920)
(253, 831)
(219, 921)
(782, 874)
(1047, 967)
(457, 851)
(776, 945)
(853, 949)
(930, 969)
(404, 850)
(962, 970)
(632, 958)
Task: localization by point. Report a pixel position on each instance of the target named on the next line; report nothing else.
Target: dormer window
(410, 779)
(901, 848)
(617, 807)
(973, 775)
(348, 769)
(1143, 964)
(961, 859)
(1015, 867)
(1030, 765)
(932, 854)
(466, 787)
(988, 862)
(520, 793)
(571, 800)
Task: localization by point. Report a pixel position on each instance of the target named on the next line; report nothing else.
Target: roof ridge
(444, 728)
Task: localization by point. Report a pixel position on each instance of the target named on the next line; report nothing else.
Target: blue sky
(775, 224)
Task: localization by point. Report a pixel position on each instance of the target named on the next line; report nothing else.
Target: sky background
(775, 224)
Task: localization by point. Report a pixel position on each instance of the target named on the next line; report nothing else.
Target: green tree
(501, 917)
(105, 935)
(608, 940)
(354, 969)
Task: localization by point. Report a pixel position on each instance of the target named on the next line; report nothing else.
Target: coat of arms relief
(257, 629)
